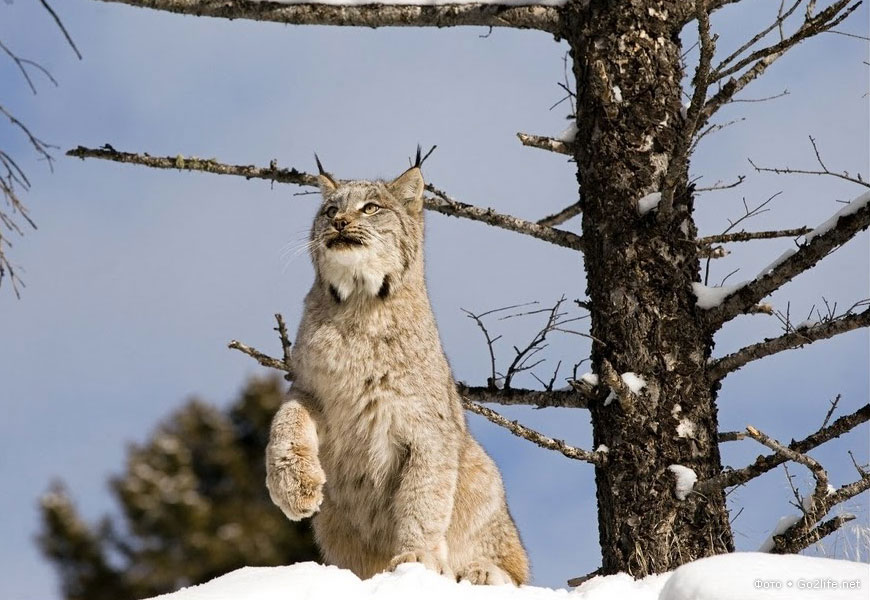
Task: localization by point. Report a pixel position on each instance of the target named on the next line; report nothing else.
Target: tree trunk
(639, 273)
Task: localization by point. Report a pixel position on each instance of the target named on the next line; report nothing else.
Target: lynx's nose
(339, 224)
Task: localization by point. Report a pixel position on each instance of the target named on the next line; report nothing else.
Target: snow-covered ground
(738, 576)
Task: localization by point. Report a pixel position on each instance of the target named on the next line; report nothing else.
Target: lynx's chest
(369, 401)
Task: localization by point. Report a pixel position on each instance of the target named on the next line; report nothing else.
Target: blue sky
(136, 279)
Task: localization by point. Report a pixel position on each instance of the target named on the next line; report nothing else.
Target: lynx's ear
(408, 188)
(325, 180)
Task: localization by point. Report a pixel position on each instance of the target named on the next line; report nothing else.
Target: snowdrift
(738, 576)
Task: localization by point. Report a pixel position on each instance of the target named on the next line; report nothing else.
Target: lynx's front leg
(293, 473)
(424, 503)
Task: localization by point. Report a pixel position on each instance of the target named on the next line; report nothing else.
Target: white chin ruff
(351, 269)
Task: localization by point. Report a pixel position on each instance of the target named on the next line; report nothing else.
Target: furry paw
(296, 486)
(483, 573)
(429, 559)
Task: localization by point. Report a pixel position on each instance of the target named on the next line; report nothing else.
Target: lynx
(372, 439)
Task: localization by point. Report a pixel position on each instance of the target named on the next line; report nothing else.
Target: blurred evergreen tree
(193, 505)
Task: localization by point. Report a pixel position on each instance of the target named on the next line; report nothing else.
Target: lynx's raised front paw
(483, 573)
(296, 486)
(429, 559)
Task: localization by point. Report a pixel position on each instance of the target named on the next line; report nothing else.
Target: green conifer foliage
(193, 506)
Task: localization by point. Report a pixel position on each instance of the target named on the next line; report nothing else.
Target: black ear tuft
(419, 161)
(327, 181)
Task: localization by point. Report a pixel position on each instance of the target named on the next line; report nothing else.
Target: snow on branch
(438, 202)
(830, 235)
(766, 463)
(556, 145)
(794, 534)
(794, 339)
(508, 13)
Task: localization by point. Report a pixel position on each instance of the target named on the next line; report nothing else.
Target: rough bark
(544, 18)
(639, 274)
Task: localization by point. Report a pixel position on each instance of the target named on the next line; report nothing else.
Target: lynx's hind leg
(485, 546)
(294, 476)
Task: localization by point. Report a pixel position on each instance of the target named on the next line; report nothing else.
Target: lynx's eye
(371, 208)
(331, 211)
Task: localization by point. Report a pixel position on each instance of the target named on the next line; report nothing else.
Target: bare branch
(748, 213)
(812, 464)
(441, 202)
(763, 58)
(444, 204)
(711, 129)
(491, 383)
(519, 362)
(193, 163)
(285, 342)
(12, 177)
(569, 212)
(556, 319)
(61, 27)
(830, 235)
(796, 339)
(263, 359)
(745, 236)
(721, 186)
(42, 148)
(763, 464)
(700, 81)
(781, 17)
(570, 398)
(596, 458)
(544, 18)
(731, 436)
(830, 414)
(754, 100)
(825, 171)
(547, 143)
(813, 25)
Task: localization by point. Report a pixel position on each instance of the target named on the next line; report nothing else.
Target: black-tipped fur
(385, 288)
(418, 162)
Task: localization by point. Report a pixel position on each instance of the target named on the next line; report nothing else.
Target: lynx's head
(367, 235)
